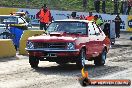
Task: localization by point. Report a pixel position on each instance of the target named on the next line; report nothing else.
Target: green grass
(71, 5)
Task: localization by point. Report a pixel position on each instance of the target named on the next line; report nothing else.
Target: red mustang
(69, 41)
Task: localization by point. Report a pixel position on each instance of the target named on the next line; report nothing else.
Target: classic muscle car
(69, 40)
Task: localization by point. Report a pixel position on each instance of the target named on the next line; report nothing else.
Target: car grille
(50, 45)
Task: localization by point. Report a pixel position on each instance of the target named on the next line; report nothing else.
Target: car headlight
(70, 46)
(30, 45)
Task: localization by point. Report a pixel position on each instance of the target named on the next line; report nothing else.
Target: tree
(116, 6)
(84, 4)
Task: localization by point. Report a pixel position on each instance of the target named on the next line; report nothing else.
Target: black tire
(100, 60)
(81, 60)
(33, 61)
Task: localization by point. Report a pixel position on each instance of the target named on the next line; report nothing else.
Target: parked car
(12, 27)
(69, 40)
(8, 20)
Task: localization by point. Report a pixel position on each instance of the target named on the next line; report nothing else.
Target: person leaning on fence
(44, 16)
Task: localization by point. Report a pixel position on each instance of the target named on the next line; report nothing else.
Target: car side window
(20, 21)
(81, 28)
(97, 31)
(91, 30)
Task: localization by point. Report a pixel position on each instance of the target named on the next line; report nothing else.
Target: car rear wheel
(81, 60)
(100, 60)
(33, 61)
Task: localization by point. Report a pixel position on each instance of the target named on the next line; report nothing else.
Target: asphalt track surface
(16, 72)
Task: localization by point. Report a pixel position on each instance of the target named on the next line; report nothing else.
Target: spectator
(73, 15)
(117, 25)
(44, 16)
(97, 5)
(98, 21)
(90, 17)
(106, 29)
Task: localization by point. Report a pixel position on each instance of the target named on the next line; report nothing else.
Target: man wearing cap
(44, 16)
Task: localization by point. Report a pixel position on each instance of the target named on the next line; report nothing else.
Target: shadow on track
(72, 70)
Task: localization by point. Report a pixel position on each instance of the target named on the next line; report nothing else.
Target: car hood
(52, 38)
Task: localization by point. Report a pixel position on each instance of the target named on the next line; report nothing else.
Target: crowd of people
(44, 15)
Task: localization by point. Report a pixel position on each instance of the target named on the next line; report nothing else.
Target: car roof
(8, 16)
(75, 20)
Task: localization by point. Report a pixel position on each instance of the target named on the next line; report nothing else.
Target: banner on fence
(126, 24)
(129, 24)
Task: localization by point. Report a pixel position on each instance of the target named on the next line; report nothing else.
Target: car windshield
(8, 19)
(68, 27)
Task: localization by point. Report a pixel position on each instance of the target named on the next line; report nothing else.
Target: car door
(98, 39)
(92, 38)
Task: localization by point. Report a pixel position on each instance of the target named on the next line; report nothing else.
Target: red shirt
(89, 18)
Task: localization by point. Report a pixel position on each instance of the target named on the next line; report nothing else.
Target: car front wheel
(34, 61)
(81, 60)
(100, 60)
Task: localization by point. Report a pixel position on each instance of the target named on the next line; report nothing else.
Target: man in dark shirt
(117, 25)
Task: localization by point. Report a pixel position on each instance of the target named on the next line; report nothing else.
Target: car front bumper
(51, 53)
(52, 50)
